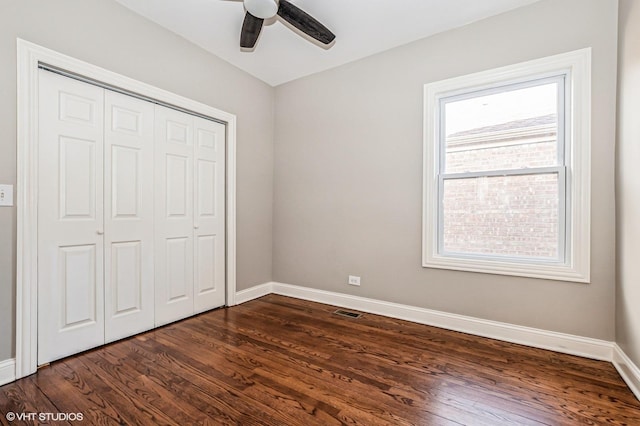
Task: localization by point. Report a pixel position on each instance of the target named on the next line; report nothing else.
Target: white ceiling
(362, 28)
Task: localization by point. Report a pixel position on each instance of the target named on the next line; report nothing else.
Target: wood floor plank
(24, 396)
(255, 391)
(409, 379)
(510, 378)
(381, 360)
(283, 361)
(323, 379)
(210, 387)
(83, 393)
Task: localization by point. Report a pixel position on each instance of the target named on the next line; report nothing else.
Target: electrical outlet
(353, 280)
(6, 195)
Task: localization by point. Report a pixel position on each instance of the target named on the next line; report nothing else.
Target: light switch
(6, 195)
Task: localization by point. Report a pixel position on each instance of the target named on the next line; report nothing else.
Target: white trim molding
(253, 293)
(575, 169)
(7, 371)
(627, 369)
(30, 57)
(559, 342)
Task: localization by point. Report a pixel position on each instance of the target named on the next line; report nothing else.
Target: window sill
(559, 272)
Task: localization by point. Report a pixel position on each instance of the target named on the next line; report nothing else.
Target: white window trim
(576, 267)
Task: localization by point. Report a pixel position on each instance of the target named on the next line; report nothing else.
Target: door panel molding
(30, 57)
(70, 269)
(209, 233)
(128, 220)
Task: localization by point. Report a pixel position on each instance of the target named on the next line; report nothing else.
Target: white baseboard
(7, 371)
(253, 293)
(559, 342)
(627, 369)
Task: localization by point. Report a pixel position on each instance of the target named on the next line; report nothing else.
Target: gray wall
(348, 172)
(104, 33)
(628, 182)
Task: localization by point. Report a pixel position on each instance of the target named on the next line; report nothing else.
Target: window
(506, 172)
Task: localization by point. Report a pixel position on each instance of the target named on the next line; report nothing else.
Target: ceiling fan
(259, 10)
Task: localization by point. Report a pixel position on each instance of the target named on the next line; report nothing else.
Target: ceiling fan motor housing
(263, 9)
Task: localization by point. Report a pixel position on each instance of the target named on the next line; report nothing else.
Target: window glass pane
(505, 216)
(512, 129)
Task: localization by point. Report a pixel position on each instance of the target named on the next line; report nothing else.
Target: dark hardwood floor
(282, 361)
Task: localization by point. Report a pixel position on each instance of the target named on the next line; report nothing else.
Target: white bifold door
(128, 216)
(70, 217)
(131, 224)
(189, 212)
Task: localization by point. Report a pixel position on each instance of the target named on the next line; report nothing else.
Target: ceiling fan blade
(304, 22)
(251, 28)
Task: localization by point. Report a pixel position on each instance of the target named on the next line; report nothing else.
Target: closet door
(189, 215)
(128, 206)
(173, 215)
(70, 218)
(209, 219)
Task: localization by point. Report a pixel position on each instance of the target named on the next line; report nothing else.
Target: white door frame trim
(29, 57)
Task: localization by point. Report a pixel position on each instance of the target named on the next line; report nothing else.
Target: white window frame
(574, 171)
